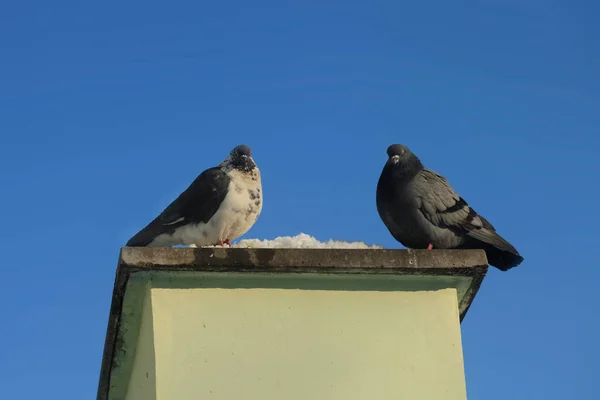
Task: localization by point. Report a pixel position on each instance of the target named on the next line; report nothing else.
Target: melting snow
(302, 241)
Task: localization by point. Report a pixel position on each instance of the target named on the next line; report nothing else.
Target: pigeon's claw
(430, 246)
(227, 242)
(220, 243)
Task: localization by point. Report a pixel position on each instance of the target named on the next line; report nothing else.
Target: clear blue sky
(108, 110)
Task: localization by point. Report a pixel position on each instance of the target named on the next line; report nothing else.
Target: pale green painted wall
(299, 344)
(142, 383)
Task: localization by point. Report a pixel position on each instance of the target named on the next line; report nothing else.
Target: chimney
(288, 324)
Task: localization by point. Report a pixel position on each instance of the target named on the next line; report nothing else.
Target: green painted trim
(306, 281)
(138, 287)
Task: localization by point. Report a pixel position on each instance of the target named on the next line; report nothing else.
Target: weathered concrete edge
(121, 277)
(377, 261)
(300, 260)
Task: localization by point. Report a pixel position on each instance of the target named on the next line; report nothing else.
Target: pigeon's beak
(248, 160)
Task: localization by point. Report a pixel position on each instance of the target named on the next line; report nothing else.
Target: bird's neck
(407, 170)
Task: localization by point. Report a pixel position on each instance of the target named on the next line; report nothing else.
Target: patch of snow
(302, 241)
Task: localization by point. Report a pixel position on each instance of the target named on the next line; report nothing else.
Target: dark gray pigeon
(422, 211)
(220, 205)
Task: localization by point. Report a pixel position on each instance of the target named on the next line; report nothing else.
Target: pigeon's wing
(198, 203)
(442, 206)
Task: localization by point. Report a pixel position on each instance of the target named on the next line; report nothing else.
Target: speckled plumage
(221, 205)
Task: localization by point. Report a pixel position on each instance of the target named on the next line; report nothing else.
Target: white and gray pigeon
(220, 205)
(422, 211)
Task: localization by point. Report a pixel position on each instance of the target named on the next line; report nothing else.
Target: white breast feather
(237, 213)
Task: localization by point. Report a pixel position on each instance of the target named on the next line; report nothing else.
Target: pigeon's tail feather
(138, 241)
(143, 238)
(499, 252)
(501, 259)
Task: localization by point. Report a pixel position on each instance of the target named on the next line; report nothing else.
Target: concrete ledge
(452, 262)
(306, 269)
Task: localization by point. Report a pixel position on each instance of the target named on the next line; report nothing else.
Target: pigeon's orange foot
(220, 243)
(430, 246)
(227, 242)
